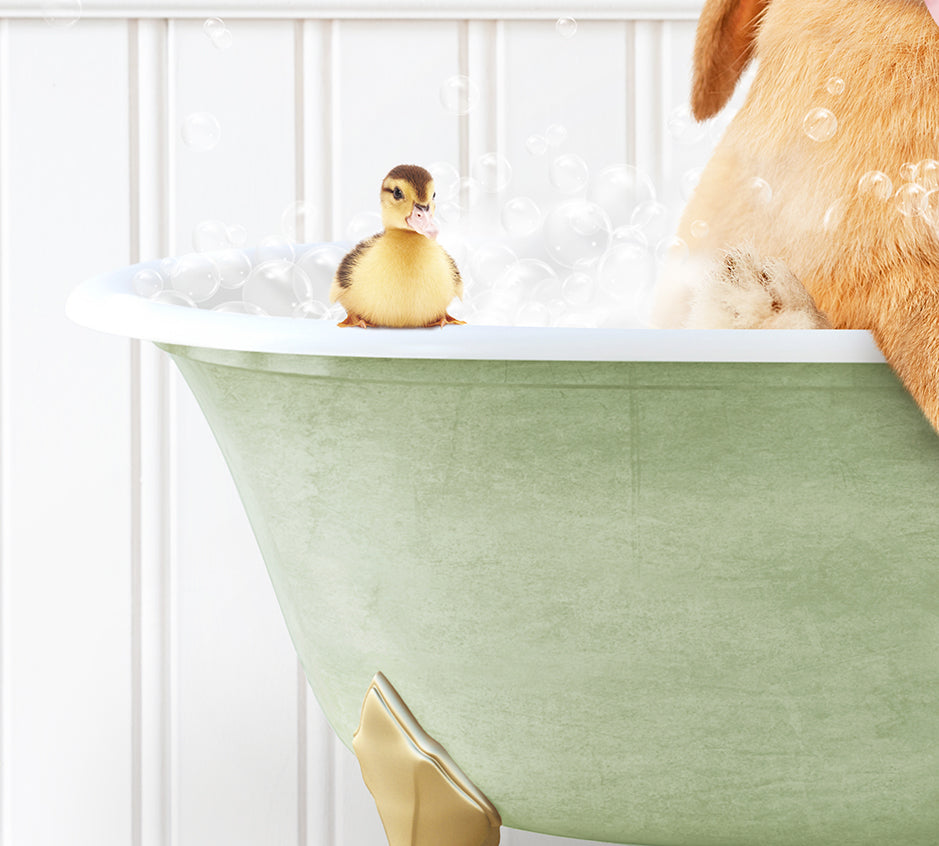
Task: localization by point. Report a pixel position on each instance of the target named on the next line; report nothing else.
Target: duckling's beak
(421, 220)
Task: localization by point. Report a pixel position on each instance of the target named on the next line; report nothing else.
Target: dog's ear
(723, 48)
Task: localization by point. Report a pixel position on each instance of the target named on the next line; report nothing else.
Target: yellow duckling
(402, 276)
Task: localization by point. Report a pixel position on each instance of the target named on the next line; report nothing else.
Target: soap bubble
(689, 181)
(319, 264)
(576, 233)
(537, 145)
(314, 310)
(835, 85)
(471, 192)
(652, 217)
(927, 174)
(619, 189)
(363, 225)
(218, 33)
(446, 181)
(240, 307)
(909, 199)
(929, 207)
(210, 235)
(627, 273)
(237, 235)
(520, 216)
(684, 128)
(834, 215)
(700, 229)
(673, 249)
(875, 184)
(532, 314)
(579, 289)
(566, 27)
(760, 191)
(176, 298)
(61, 13)
(196, 276)
(147, 282)
(201, 131)
(569, 173)
(449, 212)
(820, 124)
(490, 263)
(274, 248)
(493, 172)
(459, 94)
(234, 267)
(277, 286)
(555, 134)
(908, 172)
(298, 220)
(631, 234)
(525, 277)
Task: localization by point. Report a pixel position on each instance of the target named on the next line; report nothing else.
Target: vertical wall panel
(235, 667)
(67, 434)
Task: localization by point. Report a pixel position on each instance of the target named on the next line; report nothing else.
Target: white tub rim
(108, 303)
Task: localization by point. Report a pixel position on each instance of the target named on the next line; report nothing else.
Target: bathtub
(644, 587)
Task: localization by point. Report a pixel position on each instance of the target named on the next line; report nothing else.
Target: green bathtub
(642, 589)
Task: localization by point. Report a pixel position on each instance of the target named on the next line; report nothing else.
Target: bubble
(320, 264)
(217, 33)
(490, 263)
(449, 212)
(234, 267)
(525, 277)
(459, 95)
(363, 225)
(537, 145)
(929, 207)
(631, 234)
(566, 27)
(520, 216)
(689, 181)
(834, 215)
(577, 233)
(446, 181)
(493, 172)
(61, 13)
(196, 276)
(274, 248)
(313, 310)
(652, 217)
(619, 189)
(168, 297)
(671, 250)
(700, 229)
(532, 314)
(240, 307)
(760, 191)
(201, 131)
(627, 273)
(277, 286)
(579, 289)
(569, 173)
(909, 199)
(927, 174)
(237, 235)
(471, 191)
(835, 85)
(147, 282)
(555, 134)
(298, 220)
(210, 235)
(684, 128)
(875, 184)
(908, 172)
(820, 124)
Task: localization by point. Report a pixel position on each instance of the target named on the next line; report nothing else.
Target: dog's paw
(743, 291)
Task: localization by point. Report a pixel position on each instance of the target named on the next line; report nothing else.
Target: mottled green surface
(652, 603)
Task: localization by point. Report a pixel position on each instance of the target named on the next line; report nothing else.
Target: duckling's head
(407, 200)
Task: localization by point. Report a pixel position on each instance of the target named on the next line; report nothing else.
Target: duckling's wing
(457, 279)
(343, 277)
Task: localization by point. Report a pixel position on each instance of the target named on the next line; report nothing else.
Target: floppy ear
(723, 48)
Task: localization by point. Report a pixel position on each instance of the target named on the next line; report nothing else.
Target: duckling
(401, 276)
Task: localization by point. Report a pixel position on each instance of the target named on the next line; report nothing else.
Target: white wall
(150, 694)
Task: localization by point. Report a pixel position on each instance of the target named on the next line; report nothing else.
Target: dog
(820, 205)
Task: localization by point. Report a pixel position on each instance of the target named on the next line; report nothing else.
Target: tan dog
(850, 209)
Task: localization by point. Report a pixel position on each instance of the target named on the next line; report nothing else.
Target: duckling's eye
(398, 194)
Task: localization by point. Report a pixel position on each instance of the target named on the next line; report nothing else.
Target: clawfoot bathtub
(675, 588)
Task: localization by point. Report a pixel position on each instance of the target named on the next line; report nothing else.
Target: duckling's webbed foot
(443, 321)
(356, 320)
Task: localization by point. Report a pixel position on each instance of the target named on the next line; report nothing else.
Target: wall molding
(618, 10)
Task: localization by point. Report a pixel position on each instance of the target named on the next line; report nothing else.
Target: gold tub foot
(423, 797)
